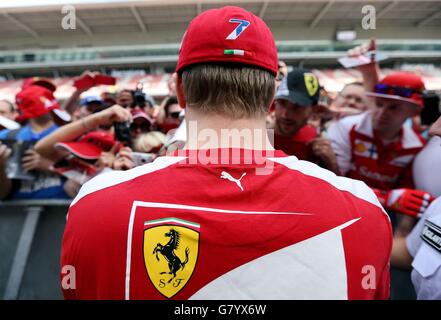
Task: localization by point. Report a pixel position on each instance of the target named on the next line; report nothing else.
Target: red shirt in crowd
(361, 155)
(297, 145)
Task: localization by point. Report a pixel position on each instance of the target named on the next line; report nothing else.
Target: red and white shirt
(361, 155)
(239, 225)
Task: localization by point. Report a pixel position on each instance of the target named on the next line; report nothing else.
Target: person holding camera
(74, 130)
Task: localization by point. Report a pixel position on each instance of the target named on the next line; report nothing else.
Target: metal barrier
(30, 244)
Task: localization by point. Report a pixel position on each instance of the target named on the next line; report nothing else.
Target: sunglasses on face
(398, 91)
(175, 115)
(280, 76)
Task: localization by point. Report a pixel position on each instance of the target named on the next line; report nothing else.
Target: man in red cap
(378, 148)
(35, 104)
(228, 217)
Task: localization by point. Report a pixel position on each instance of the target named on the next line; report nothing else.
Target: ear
(180, 92)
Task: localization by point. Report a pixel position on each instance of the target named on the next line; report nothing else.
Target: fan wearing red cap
(228, 217)
(34, 103)
(90, 146)
(80, 157)
(378, 147)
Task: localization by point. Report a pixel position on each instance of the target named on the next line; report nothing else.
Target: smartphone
(122, 133)
(103, 79)
(366, 58)
(140, 158)
(14, 166)
(84, 82)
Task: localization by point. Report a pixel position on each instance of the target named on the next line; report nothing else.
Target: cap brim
(46, 84)
(8, 123)
(63, 115)
(392, 97)
(81, 149)
(142, 117)
(296, 98)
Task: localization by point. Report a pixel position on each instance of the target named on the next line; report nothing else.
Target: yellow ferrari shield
(171, 248)
(311, 83)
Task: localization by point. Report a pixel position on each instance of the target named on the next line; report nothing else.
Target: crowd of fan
(371, 131)
(70, 143)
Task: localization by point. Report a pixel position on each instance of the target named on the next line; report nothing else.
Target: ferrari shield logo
(171, 248)
(311, 83)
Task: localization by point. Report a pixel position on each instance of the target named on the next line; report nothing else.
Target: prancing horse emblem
(226, 175)
(168, 251)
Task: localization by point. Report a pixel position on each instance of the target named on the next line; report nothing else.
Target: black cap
(299, 87)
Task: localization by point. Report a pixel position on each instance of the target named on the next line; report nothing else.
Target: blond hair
(148, 141)
(234, 91)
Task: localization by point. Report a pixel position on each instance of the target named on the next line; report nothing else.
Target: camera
(139, 96)
(140, 158)
(431, 111)
(122, 133)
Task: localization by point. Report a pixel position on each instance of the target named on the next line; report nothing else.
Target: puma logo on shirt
(226, 175)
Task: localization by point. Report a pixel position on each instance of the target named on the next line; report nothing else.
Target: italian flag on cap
(237, 52)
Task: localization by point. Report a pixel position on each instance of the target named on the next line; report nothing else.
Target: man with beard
(295, 98)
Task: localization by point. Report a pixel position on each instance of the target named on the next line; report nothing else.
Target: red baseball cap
(90, 145)
(35, 101)
(38, 81)
(403, 86)
(228, 34)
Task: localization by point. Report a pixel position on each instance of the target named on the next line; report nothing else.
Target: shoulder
(346, 124)
(114, 178)
(350, 121)
(356, 188)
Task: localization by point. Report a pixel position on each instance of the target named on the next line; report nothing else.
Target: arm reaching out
(370, 72)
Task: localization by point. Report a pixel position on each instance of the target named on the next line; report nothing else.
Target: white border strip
(174, 220)
(112, 178)
(356, 187)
